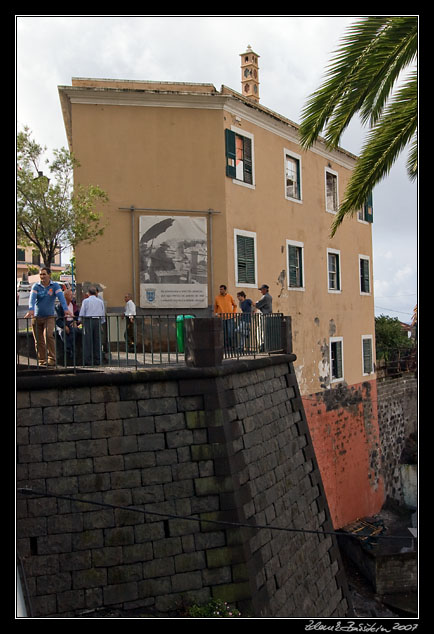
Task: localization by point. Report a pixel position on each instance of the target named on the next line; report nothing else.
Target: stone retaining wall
(220, 444)
(397, 419)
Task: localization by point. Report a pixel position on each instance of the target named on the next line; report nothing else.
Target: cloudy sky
(294, 52)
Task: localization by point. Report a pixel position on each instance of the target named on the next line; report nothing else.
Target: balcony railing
(147, 341)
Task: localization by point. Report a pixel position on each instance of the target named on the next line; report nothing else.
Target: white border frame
(335, 340)
(365, 257)
(293, 155)
(250, 136)
(333, 290)
(249, 234)
(331, 171)
(294, 243)
(372, 355)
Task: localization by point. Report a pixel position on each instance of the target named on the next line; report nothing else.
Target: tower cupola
(250, 74)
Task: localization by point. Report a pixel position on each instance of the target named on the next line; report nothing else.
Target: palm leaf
(394, 130)
(360, 77)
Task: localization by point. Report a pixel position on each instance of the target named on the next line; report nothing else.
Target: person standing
(41, 309)
(244, 325)
(67, 327)
(265, 305)
(225, 306)
(92, 315)
(129, 315)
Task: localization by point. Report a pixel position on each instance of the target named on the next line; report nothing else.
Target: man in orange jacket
(225, 306)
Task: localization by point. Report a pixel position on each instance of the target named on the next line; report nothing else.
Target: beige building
(248, 206)
(209, 187)
(29, 256)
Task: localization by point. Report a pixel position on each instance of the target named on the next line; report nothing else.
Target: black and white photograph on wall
(173, 262)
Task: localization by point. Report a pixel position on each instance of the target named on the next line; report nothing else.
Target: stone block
(89, 412)
(76, 396)
(91, 448)
(124, 573)
(108, 463)
(91, 578)
(122, 445)
(139, 425)
(31, 416)
(121, 409)
(120, 592)
(157, 406)
(106, 428)
(179, 438)
(137, 553)
(58, 415)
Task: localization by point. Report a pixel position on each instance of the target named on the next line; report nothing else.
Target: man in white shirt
(92, 315)
(129, 314)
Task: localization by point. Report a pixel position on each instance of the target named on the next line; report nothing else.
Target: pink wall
(343, 423)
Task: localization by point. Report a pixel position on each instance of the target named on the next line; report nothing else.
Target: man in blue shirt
(92, 314)
(41, 310)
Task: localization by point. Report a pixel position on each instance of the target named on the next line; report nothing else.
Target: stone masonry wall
(397, 419)
(220, 444)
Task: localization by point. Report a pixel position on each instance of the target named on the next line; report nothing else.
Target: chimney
(250, 74)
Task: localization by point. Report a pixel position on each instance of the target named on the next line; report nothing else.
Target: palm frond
(386, 140)
(361, 76)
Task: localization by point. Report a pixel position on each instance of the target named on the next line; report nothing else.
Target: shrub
(214, 609)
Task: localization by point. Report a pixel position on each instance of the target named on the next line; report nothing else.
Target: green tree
(51, 213)
(366, 77)
(389, 336)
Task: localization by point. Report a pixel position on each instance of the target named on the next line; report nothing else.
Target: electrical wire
(29, 491)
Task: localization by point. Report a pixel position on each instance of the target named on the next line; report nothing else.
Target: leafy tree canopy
(389, 336)
(51, 213)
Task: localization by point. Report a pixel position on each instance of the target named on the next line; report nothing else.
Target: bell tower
(250, 74)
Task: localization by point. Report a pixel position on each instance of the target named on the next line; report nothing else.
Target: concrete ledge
(46, 379)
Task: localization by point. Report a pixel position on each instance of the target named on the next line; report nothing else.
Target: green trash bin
(180, 330)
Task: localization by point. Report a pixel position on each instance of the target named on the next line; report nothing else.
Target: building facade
(209, 187)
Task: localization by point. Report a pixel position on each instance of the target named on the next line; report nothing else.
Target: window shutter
(246, 259)
(248, 171)
(298, 188)
(294, 266)
(364, 275)
(230, 153)
(368, 209)
(367, 356)
(338, 359)
(338, 274)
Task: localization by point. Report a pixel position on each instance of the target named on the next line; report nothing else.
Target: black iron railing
(115, 341)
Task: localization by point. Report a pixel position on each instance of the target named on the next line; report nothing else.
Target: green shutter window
(368, 209)
(295, 273)
(336, 360)
(230, 153)
(367, 356)
(246, 260)
(364, 275)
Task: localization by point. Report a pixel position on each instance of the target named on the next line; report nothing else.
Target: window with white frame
(292, 176)
(245, 258)
(336, 359)
(334, 270)
(295, 251)
(364, 273)
(239, 156)
(367, 355)
(331, 190)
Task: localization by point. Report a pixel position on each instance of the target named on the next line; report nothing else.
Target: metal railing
(148, 340)
(251, 334)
